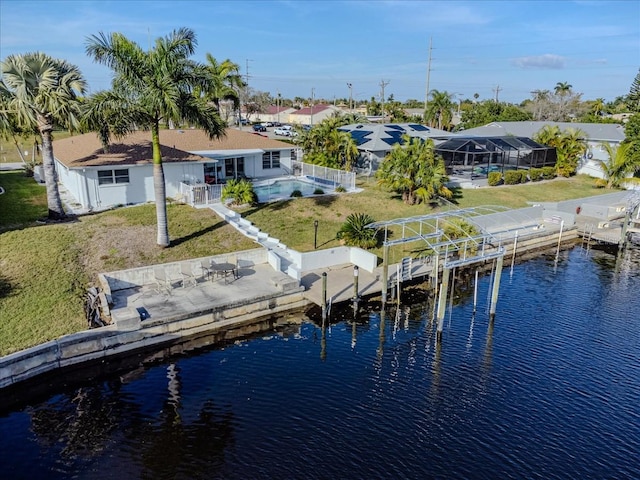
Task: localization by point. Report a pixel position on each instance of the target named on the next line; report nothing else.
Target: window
(271, 160)
(109, 177)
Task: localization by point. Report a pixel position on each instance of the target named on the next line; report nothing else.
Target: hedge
(494, 178)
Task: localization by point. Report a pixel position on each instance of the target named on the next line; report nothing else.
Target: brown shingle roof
(86, 150)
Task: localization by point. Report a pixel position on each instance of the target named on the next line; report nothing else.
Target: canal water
(550, 389)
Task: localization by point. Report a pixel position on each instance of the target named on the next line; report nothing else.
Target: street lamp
(315, 234)
(350, 85)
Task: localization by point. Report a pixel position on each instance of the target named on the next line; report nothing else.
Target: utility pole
(426, 97)
(278, 103)
(246, 87)
(350, 85)
(312, 98)
(497, 90)
(382, 85)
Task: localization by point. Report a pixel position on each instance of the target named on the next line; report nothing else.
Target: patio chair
(163, 282)
(205, 266)
(243, 265)
(188, 278)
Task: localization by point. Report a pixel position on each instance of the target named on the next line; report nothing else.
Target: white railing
(200, 193)
(326, 175)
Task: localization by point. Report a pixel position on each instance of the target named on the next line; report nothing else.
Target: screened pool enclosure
(475, 157)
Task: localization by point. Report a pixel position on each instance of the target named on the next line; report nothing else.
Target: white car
(285, 131)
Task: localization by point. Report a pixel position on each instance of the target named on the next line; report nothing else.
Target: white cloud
(548, 61)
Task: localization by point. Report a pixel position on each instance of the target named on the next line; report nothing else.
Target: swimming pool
(281, 189)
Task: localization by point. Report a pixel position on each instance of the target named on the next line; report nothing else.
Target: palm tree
(562, 90)
(570, 145)
(439, 110)
(617, 170)
(38, 92)
(150, 88)
(354, 231)
(414, 170)
(226, 82)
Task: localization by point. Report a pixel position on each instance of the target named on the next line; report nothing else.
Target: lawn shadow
(324, 200)
(199, 233)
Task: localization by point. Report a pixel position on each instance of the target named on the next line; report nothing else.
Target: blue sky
(295, 47)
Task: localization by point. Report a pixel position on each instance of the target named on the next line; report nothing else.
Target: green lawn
(46, 269)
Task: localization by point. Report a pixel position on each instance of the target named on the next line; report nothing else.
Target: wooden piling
(475, 293)
(496, 287)
(442, 298)
(385, 273)
(324, 295)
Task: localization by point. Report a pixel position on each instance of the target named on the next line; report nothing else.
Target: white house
(312, 115)
(124, 174)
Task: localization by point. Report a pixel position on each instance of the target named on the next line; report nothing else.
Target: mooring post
(436, 270)
(513, 256)
(355, 283)
(623, 237)
(442, 298)
(559, 239)
(398, 273)
(496, 287)
(324, 295)
(385, 273)
(475, 293)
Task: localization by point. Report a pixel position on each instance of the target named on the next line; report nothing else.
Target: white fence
(325, 175)
(200, 193)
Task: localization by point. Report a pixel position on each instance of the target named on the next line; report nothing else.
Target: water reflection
(375, 395)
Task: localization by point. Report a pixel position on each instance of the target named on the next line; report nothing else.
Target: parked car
(259, 128)
(284, 130)
(267, 124)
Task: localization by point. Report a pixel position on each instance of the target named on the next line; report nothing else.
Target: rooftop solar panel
(419, 128)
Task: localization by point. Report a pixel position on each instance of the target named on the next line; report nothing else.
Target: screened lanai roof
(488, 144)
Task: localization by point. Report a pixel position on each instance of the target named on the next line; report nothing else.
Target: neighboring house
(374, 140)
(276, 114)
(124, 175)
(596, 134)
(312, 115)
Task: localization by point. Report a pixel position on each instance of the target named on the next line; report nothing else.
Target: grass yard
(46, 269)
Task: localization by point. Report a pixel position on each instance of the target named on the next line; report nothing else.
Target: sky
(316, 48)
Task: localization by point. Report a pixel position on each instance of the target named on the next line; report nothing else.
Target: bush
(512, 177)
(340, 189)
(318, 191)
(296, 194)
(494, 178)
(240, 192)
(524, 176)
(535, 174)
(354, 231)
(548, 173)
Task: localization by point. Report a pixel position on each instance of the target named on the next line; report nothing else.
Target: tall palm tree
(619, 167)
(150, 88)
(562, 90)
(38, 92)
(439, 111)
(226, 82)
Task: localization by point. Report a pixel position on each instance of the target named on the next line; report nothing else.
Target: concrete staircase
(279, 256)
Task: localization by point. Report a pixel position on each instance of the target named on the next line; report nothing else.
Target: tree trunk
(159, 189)
(54, 202)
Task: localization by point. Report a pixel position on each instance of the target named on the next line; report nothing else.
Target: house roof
(135, 149)
(314, 110)
(595, 131)
(376, 137)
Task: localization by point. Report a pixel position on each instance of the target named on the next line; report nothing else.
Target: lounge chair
(188, 278)
(163, 282)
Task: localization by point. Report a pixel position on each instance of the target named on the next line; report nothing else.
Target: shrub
(296, 194)
(535, 174)
(340, 189)
(524, 176)
(354, 231)
(318, 191)
(548, 173)
(512, 177)
(240, 192)
(494, 178)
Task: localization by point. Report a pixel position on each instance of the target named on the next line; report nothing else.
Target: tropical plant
(414, 170)
(296, 194)
(325, 145)
(457, 228)
(38, 92)
(226, 82)
(619, 167)
(570, 146)
(439, 110)
(150, 88)
(240, 192)
(355, 232)
(634, 94)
